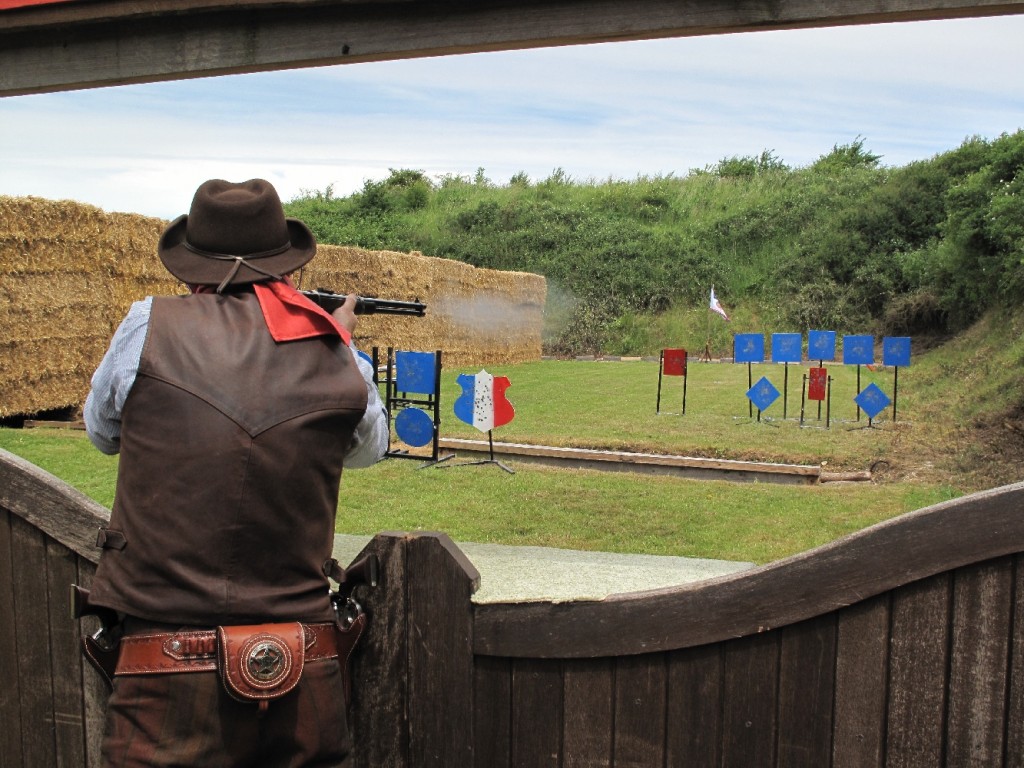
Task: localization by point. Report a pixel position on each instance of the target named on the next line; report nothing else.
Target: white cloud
(619, 110)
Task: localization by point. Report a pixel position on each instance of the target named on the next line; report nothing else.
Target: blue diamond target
(763, 394)
(872, 400)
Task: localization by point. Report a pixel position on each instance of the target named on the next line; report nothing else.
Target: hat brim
(196, 269)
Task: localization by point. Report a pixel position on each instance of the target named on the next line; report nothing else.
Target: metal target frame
(396, 402)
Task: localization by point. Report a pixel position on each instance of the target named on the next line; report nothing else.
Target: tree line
(845, 243)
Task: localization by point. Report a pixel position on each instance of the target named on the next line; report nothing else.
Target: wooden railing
(900, 645)
(51, 705)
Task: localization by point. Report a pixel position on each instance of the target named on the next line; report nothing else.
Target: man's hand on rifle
(346, 314)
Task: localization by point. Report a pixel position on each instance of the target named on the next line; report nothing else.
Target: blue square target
(896, 351)
(858, 350)
(415, 372)
(821, 345)
(748, 348)
(787, 347)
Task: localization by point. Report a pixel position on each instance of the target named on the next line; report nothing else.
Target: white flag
(715, 306)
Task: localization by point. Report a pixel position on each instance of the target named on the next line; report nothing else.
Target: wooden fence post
(380, 666)
(52, 705)
(440, 585)
(413, 672)
(10, 699)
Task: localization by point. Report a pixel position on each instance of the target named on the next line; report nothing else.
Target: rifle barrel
(366, 305)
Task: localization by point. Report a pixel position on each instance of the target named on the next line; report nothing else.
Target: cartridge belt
(197, 650)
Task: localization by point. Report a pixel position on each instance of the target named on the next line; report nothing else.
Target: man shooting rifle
(234, 410)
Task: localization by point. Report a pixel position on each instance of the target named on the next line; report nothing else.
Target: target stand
(490, 460)
(673, 363)
(416, 420)
(817, 387)
(872, 400)
(761, 396)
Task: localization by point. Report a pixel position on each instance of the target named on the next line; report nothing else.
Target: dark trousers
(189, 720)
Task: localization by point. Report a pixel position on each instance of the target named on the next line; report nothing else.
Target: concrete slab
(545, 574)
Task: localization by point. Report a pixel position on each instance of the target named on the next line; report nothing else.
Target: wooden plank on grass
(626, 457)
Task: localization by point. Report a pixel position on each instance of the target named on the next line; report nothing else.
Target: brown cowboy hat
(235, 234)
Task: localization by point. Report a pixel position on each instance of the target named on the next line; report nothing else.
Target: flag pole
(707, 335)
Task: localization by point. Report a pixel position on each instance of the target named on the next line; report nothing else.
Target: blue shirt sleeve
(114, 378)
(371, 438)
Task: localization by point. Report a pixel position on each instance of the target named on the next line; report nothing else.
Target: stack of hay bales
(69, 272)
(474, 316)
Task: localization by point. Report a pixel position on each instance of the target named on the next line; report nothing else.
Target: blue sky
(617, 110)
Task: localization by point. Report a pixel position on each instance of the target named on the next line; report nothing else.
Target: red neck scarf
(291, 316)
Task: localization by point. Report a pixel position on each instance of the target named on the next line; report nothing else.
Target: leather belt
(196, 650)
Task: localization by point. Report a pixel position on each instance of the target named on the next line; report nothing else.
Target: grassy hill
(845, 244)
(970, 404)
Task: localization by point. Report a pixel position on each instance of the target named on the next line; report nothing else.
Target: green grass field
(611, 405)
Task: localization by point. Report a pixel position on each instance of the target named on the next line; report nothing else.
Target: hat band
(228, 256)
(239, 261)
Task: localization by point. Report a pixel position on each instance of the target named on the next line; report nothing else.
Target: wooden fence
(900, 645)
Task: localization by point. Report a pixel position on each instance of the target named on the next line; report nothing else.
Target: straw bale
(69, 272)
(474, 316)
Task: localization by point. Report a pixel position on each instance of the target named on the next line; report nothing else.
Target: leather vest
(231, 457)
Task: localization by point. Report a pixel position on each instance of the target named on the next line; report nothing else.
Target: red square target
(816, 379)
(673, 362)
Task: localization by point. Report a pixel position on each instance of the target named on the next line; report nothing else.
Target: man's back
(231, 454)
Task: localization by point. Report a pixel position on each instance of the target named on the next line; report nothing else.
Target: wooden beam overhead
(88, 44)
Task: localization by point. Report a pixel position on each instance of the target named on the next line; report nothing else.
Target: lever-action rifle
(366, 305)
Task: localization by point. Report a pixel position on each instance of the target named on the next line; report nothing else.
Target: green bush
(843, 243)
